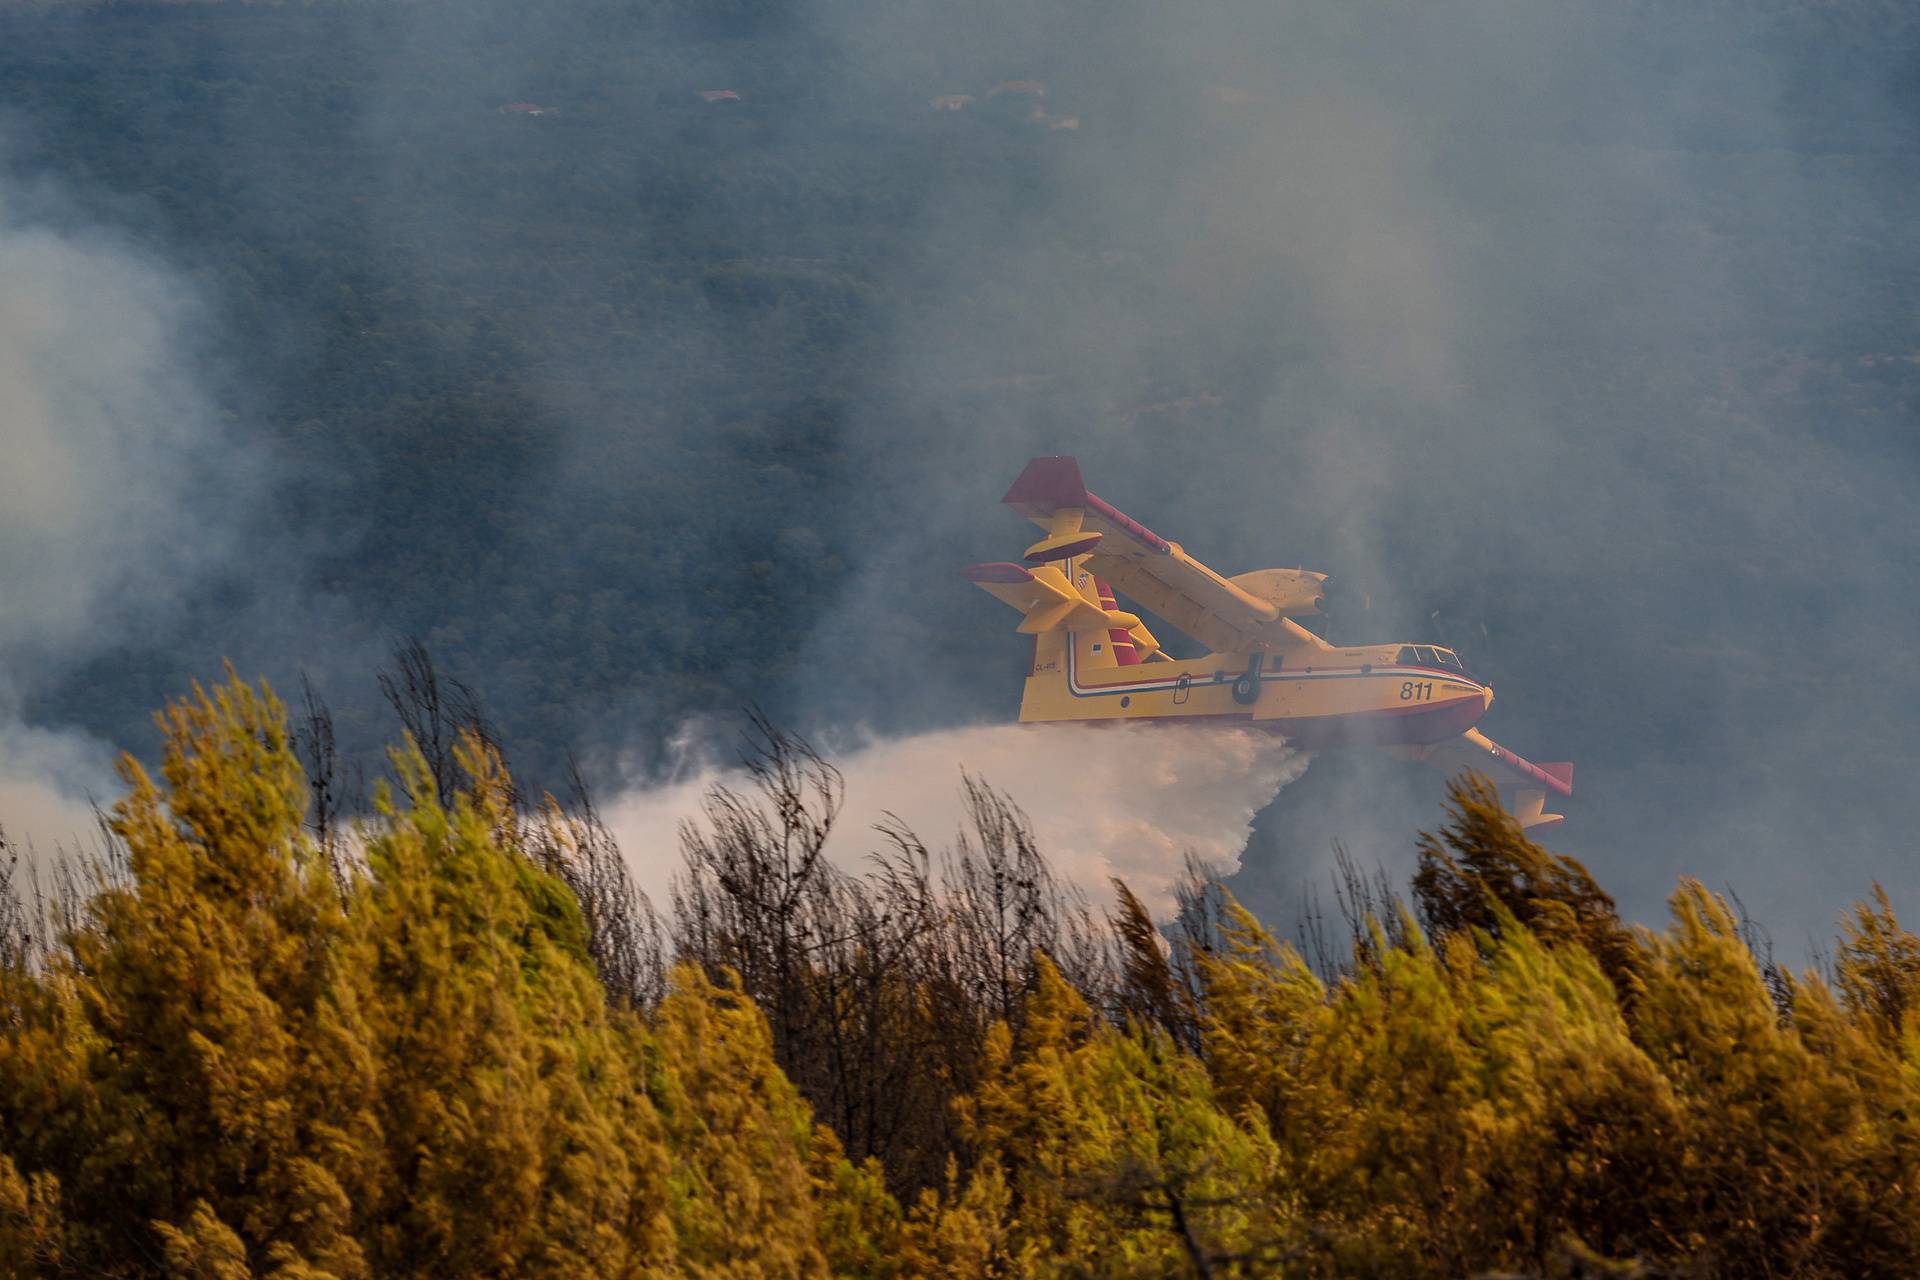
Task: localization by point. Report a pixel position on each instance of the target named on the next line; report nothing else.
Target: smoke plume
(116, 494)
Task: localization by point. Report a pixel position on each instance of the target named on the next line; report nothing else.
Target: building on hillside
(1018, 89)
(1024, 102)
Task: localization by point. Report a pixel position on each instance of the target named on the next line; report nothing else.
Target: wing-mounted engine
(1293, 593)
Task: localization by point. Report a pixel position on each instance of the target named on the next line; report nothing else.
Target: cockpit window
(1426, 655)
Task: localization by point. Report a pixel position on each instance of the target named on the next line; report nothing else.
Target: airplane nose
(1487, 694)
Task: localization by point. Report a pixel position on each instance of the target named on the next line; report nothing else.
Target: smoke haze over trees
(1579, 335)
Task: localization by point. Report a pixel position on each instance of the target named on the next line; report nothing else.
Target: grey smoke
(1549, 305)
(1524, 318)
(1579, 333)
(117, 492)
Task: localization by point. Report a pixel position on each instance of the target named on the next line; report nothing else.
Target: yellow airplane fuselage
(1094, 661)
(1313, 695)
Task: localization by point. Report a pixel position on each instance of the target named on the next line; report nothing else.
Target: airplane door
(1181, 687)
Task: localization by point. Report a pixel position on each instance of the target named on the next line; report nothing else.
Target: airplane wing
(1238, 615)
(1531, 783)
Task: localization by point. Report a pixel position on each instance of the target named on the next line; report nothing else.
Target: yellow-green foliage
(235, 1065)
(1798, 1147)
(1879, 976)
(239, 1067)
(1487, 1102)
(1448, 1108)
(1099, 1151)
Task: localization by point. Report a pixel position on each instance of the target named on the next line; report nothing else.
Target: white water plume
(1129, 800)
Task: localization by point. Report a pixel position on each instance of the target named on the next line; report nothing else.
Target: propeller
(1346, 602)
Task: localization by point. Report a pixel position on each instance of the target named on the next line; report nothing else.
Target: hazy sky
(1578, 335)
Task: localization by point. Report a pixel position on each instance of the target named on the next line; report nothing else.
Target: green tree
(1482, 867)
(1798, 1135)
(237, 1066)
(197, 1055)
(1101, 1151)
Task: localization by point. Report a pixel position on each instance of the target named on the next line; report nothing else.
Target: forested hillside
(245, 1043)
(1580, 338)
(423, 297)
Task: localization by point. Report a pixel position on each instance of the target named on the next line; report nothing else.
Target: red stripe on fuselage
(1380, 727)
(1420, 724)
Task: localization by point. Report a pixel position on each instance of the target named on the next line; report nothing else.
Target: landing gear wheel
(1246, 690)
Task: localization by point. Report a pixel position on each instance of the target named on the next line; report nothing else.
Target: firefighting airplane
(1093, 661)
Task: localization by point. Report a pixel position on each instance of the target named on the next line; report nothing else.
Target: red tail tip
(1049, 483)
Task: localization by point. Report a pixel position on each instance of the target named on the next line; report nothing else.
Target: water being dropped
(1128, 800)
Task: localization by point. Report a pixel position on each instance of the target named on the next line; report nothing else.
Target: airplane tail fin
(1075, 622)
(1045, 597)
(1060, 597)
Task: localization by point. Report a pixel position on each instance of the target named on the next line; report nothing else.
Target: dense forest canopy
(1581, 335)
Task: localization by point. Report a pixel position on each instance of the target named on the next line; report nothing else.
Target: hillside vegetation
(454, 1043)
